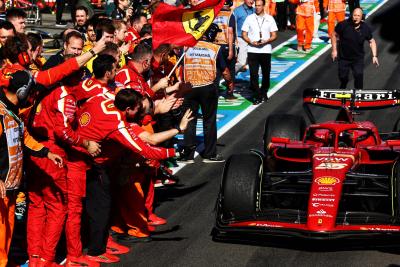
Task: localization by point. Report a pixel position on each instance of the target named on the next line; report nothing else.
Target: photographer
(259, 31)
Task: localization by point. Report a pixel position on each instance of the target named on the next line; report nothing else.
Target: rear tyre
(241, 187)
(285, 126)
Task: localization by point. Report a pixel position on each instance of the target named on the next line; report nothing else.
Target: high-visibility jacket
(200, 64)
(335, 5)
(223, 23)
(13, 139)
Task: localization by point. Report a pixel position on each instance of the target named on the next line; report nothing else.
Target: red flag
(183, 26)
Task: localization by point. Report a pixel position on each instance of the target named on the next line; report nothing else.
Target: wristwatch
(92, 52)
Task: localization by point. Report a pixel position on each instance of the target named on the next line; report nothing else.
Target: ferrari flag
(183, 26)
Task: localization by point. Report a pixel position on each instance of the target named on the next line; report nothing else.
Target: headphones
(23, 57)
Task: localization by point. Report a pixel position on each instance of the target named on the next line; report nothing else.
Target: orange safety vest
(335, 5)
(223, 23)
(11, 144)
(200, 64)
(306, 8)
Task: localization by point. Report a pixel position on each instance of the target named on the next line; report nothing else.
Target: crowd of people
(93, 125)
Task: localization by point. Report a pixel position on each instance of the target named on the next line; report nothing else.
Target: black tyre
(396, 190)
(283, 125)
(241, 186)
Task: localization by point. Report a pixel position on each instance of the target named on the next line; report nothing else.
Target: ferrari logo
(84, 119)
(38, 108)
(197, 22)
(319, 221)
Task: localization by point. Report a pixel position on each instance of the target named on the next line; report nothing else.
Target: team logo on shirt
(197, 22)
(38, 108)
(84, 119)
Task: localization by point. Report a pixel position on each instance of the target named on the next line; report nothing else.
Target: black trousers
(205, 97)
(357, 68)
(98, 207)
(255, 60)
(281, 14)
(60, 9)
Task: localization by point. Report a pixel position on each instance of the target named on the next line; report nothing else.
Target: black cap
(212, 32)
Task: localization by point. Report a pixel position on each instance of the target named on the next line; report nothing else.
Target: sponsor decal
(319, 221)
(321, 211)
(378, 229)
(323, 199)
(265, 225)
(322, 195)
(332, 159)
(320, 215)
(327, 180)
(316, 205)
(331, 165)
(84, 119)
(359, 95)
(325, 188)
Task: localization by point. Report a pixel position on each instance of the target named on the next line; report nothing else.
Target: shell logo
(327, 180)
(84, 119)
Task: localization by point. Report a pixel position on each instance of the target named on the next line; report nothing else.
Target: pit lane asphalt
(186, 240)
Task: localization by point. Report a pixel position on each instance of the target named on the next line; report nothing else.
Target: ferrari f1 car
(334, 179)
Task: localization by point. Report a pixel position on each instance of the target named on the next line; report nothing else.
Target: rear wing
(350, 99)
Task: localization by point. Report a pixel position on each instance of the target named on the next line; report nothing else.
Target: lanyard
(260, 26)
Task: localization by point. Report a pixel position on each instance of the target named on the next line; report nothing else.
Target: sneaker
(61, 24)
(265, 98)
(158, 183)
(230, 97)
(170, 181)
(128, 239)
(185, 160)
(317, 40)
(155, 220)
(105, 258)
(114, 248)
(217, 158)
(80, 261)
(257, 101)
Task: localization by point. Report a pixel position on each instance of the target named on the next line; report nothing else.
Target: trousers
(98, 207)
(255, 61)
(206, 98)
(357, 68)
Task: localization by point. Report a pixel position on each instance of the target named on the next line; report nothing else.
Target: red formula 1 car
(334, 179)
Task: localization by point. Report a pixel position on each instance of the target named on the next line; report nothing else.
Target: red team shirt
(99, 120)
(129, 77)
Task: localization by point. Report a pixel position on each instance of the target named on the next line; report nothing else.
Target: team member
(103, 120)
(259, 31)
(50, 122)
(18, 18)
(36, 47)
(131, 75)
(348, 47)
(73, 45)
(241, 13)
(336, 13)
(6, 30)
(137, 22)
(201, 65)
(81, 19)
(305, 12)
(225, 38)
(15, 137)
(90, 36)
